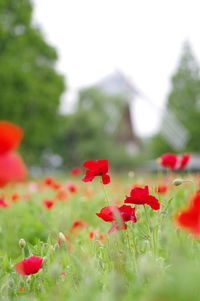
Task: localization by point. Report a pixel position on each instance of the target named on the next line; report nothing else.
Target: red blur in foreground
(189, 218)
(96, 168)
(28, 266)
(3, 204)
(118, 214)
(12, 167)
(10, 136)
(173, 161)
(141, 196)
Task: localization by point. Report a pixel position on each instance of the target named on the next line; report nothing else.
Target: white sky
(143, 38)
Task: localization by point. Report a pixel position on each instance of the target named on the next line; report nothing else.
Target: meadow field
(150, 258)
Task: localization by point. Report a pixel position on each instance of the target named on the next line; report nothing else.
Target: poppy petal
(10, 136)
(12, 168)
(105, 179)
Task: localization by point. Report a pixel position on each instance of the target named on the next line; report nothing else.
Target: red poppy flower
(48, 204)
(118, 214)
(96, 168)
(10, 136)
(141, 196)
(28, 266)
(3, 204)
(168, 160)
(48, 181)
(183, 160)
(61, 195)
(12, 168)
(76, 171)
(77, 225)
(189, 218)
(95, 234)
(173, 161)
(71, 187)
(15, 196)
(161, 189)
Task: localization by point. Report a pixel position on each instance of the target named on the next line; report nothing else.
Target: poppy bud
(62, 237)
(22, 243)
(178, 182)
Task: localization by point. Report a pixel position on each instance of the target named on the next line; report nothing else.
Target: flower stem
(106, 195)
(148, 225)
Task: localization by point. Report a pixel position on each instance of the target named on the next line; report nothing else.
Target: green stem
(148, 226)
(135, 251)
(23, 253)
(106, 195)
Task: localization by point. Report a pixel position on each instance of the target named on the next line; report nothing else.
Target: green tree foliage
(30, 87)
(184, 103)
(91, 132)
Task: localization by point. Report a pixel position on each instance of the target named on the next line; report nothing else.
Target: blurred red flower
(168, 160)
(10, 136)
(76, 171)
(183, 160)
(78, 224)
(71, 187)
(48, 204)
(173, 161)
(96, 168)
(95, 234)
(61, 195)
(15, 196)
(189, 218)
(12, 168)
(30, 265)
(161, 189)
(141, 196)
(3, 204)
(118, 214)
(49, 181)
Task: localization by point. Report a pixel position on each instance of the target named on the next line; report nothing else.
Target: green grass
(132, 264)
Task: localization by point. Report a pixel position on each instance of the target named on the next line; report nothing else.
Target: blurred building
(118, 84)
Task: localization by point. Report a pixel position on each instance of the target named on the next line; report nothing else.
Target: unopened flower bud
(62, 237)
(22, 243)
(178, 182)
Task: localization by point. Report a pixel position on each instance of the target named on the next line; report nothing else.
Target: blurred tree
(184, 103)
(30, 87)
(92, 132)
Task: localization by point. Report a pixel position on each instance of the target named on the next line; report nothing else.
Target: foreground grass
(146, 262)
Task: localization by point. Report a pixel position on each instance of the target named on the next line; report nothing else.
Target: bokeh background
(101, 79)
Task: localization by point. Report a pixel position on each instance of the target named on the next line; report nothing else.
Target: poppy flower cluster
(189, 218)
(28, 266)
(96, 168)
(173, 161)
(12, 167)
(116, 214)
